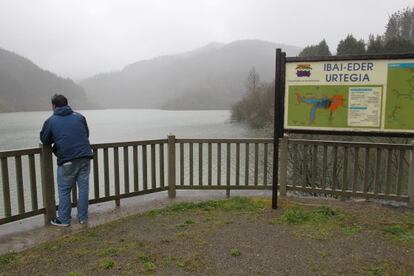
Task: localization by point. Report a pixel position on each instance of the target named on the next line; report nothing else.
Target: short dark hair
(59, 100)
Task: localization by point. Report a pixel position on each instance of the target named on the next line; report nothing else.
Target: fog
(77, 39)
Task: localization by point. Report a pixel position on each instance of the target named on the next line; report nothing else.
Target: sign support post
(278, 120)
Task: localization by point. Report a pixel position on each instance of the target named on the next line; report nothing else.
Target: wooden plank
(96, 173)
(129, 143)
(345, 170)
(144, 167)
(19, 183)
(126, 170)
(6, 187)
(366, 170)
(377, 177)
(182, 163)
(388, 172)
(304, 165)
(314, 165)
(162, 173)
(348, 193)
(33, 182)
(172, 167)
(246, 165)
(74, 194)
(335, 167)
(356, 172)
(400, 171)
(324, 166)
(225, 141)
(13, 153)
(349, 144)
(219, 164)
(209, 171)
(228, 169)
(191, 157)
(237, 164)
(136, 166)
(200, 164)
(153, 168)
(116, 176)
(106, 172)
(295, 165)
(256, 164)
(265, 164)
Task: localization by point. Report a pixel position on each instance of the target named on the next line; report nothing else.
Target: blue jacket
(69, 133)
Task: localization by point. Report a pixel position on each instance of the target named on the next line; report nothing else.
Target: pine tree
(350, 46)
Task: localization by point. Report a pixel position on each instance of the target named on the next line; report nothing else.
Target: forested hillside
(25, 87)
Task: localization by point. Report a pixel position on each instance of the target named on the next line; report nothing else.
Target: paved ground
(17, 236)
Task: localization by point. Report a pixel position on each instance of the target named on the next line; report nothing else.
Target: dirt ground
(239, 236)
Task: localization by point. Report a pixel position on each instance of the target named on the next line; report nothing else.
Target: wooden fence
(127, 169)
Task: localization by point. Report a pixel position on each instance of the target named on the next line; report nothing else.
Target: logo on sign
(303, 70)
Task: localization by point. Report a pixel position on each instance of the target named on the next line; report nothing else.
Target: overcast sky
(79, 38)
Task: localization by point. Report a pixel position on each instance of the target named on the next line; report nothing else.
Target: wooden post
(411, 178)
(283, 165)
(171, 166)
(48, 185)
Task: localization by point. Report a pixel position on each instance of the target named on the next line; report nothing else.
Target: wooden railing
(127, 169)
(349, 169)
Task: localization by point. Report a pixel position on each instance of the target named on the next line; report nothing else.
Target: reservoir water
(21, 129)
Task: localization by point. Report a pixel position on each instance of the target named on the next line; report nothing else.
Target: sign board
(372, 95)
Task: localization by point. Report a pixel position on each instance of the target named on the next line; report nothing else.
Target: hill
(211, 77)
(24, 86)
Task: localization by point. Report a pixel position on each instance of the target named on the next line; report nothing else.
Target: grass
(235, 252)
(400, 232)
(318, 222)
(241, 204)
(8, 258)
(107, 264)
(192, 263)
(186, 235)
(147, 262)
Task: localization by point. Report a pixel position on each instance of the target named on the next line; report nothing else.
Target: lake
(21, 129)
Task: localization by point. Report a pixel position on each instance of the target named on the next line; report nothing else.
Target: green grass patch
(401, 232)
(8, 258)
(147, 262)
(107, 264)
(317, 222)
(192, 263)
(233, 204)
(235, 252)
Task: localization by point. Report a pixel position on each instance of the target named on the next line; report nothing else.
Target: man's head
(59, 101)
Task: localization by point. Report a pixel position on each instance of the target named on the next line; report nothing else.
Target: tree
(322, 49)
(253, 80)
(400, 26)
(398, 45)
(350, 46)
(375, 44)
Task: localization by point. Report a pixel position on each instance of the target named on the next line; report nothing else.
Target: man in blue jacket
(69, 134)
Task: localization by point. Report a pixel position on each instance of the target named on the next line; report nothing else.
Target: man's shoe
(57, 222)
(83, 222)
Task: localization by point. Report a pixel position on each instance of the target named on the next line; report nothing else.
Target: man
(69, 133)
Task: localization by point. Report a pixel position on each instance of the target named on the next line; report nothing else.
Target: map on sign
(400, 98)
(359, 95)
(318, 105)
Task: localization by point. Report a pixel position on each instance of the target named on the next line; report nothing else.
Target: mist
(79, 39)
